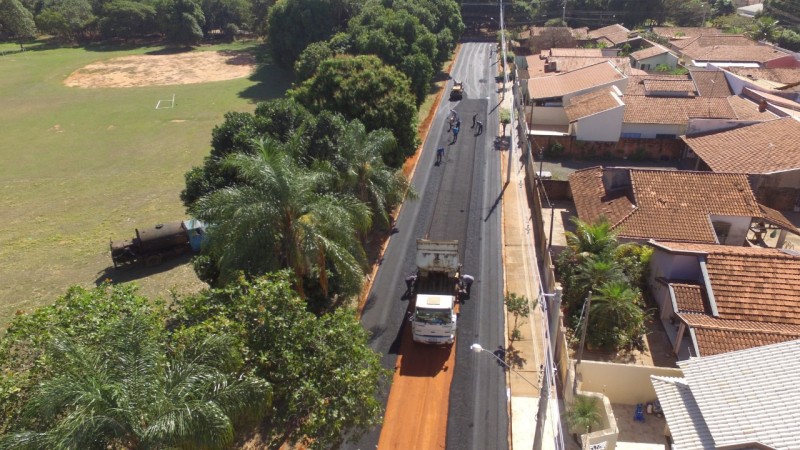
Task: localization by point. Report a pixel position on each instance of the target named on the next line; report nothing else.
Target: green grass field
(82, 166)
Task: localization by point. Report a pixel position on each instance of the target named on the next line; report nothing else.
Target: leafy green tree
(130, 390)
(293, 24)
(182, 20)
(591, 238)
(16, 21)
(276, 217)
(65, 18)
(127, 19)
(789, 40)
(787, 11)
(325, 376)
(518, 306)
(617, 318)
(219, 14)
(764, 28)
(310, 59)
(686, 13)
(363, 88)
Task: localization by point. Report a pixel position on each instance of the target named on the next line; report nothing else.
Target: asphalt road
(459, 199)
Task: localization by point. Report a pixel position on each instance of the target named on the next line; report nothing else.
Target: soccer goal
(166, 104)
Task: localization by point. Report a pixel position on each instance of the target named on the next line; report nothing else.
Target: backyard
(84, 164)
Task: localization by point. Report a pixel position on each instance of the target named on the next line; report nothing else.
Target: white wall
(650, 130)
(548, 115)
(670, 266)
(739, 228)
(604, 126)
(665, 58)
(788, 179)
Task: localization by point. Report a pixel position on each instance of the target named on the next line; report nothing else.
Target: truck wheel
(152, 260)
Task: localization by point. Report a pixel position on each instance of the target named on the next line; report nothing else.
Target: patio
(633, 435)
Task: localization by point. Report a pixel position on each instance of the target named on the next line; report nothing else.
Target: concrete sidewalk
(522, 278)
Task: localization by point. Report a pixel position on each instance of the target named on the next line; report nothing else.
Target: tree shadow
(513, 357)
(272, 81)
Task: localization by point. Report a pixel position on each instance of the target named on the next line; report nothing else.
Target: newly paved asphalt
(458, 199)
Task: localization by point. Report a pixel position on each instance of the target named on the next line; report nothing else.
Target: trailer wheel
(152, 260)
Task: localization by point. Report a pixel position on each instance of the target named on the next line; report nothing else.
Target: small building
(614, 36)
(648, 59)
(671, 205)
(746, 399)
(730, 51)
(768, 152)
(596, 116)
(548, 96)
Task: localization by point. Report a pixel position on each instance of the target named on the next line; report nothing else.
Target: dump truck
(435, 289)
(153, 245)
(457, 92)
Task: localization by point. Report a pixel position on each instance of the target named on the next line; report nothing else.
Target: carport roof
(596, 75)
(762, 148)
(592, 103)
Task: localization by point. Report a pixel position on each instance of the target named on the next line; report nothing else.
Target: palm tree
(278, 216)
(583, 414)
(360, 169)
(617, 313)
(133, 392)
(596, 270)
(591, 238)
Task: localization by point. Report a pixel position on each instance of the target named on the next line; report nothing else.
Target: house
(748, 399)
(558, 60)
(546, 97)
(660, 106)
(684, 206)
(596, 116)
(716, 298)
(536, 39)
(781, 78)
(613, 36)
(684, 33)
(651, 57)
(769, 152)
(730, 51)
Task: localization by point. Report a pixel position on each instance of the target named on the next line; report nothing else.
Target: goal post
(166, 104)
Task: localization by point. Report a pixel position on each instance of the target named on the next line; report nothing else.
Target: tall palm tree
(617, 312)
(132, 392)
(361, 171)
(591, 238)
(278, 216)
(597, 270)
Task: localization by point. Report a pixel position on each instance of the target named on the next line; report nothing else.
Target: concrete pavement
(522, 277)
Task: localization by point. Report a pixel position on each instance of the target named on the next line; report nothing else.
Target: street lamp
(544, 396)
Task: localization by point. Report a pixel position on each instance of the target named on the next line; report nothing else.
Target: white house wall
(651, 63)
(738, 230)
(602, 127)
(650, 130)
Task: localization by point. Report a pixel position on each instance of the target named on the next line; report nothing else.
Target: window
(631, 135)
(666, 136)
(721, 229)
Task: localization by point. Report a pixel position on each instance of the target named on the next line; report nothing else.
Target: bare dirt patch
(163, 70)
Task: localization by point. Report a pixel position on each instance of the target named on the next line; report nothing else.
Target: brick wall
(557, 189)
(625, 148)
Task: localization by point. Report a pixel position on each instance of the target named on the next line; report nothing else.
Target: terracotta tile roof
(777, 218)
(572, 52)
(779, 75)
(662, 204)
(729, 48)
(674, 110)
(770, 98)
(715, 336)
(711, 83)
(592, 103)
(690, 297)
(577, 80)
(616, 33)
(537, 31)
(649, 52)
(748, 110)
(766, 147)
(636, 83)
(684, 32)
(681, 87)
(569, 64)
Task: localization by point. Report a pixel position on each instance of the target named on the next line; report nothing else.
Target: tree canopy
(16, 21)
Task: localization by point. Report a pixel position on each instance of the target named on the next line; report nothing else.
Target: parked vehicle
(436, 288)
(153, 245)
(457, 93)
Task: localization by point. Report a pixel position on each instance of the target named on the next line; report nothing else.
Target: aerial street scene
(400, 224)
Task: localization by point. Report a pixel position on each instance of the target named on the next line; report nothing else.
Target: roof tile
(577, 80)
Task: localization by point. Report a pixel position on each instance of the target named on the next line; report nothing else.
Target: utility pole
(564, 12)
(505, 82)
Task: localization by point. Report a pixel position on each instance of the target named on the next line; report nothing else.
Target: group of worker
(454, 125)
(464, 284)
